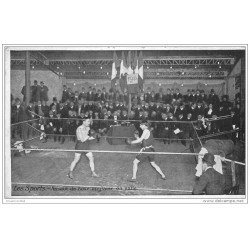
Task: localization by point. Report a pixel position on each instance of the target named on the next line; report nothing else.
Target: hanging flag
(123, 67)
(135, 64)
(129, 63)
(114, 71)
(132, 77)
(123, 73)
(140, 71)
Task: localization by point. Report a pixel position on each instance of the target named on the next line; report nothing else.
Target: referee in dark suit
(211, 182)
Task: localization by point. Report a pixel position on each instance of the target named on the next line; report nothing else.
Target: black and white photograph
(124, 125)
(140, 122)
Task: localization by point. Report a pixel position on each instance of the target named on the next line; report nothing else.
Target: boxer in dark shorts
(83, 143)
(146, 140)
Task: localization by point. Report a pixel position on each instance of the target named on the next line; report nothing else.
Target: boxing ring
(42, 168)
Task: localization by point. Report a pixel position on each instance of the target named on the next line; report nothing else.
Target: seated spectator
(54, 103)
(211, 182)
(209, 111)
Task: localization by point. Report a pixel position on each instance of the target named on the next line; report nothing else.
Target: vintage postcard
(125, 124)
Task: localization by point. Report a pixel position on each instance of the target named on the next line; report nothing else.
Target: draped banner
(132, 83)
(132, 79)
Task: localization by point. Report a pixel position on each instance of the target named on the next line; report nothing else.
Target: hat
(209, 158)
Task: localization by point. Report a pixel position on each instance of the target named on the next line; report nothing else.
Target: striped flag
(134, 88)
(129, 63)
(114, 71)
(123, 67)
(140, 71)
(123, 73)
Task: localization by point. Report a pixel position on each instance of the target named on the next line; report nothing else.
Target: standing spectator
(18, 115)
(198, 97)
(168, 97)
(177, 94)
(188, 97)
(23, 91)
(98, 96)
(65, 94)
(35, 92)
(147, 95)
(76, 97)
(45, 109)
(83, 94)
(43, 93)
(104, 95)
(159, 97)
(203, 96)
(71, 95)
(90, 94)
(214, 99)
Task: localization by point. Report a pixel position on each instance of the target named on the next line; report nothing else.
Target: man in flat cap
(211, 182)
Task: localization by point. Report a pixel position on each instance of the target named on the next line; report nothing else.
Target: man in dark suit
(211, 182)
(65, 94)
(213, 99)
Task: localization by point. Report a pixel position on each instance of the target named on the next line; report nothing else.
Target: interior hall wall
(51, 80)
(184, 84)
(77, 84)
(155, 84)
(230, 82)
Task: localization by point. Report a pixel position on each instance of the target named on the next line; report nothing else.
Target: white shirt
(82, 133)
(217, 166)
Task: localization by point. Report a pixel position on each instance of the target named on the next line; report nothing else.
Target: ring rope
(106, 151)
(118, 151)
(220, 133)
(104, 187)
(120, 137)
(13, 124)
(150, 121)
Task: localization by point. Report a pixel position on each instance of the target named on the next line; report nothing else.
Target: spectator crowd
(170, 111)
